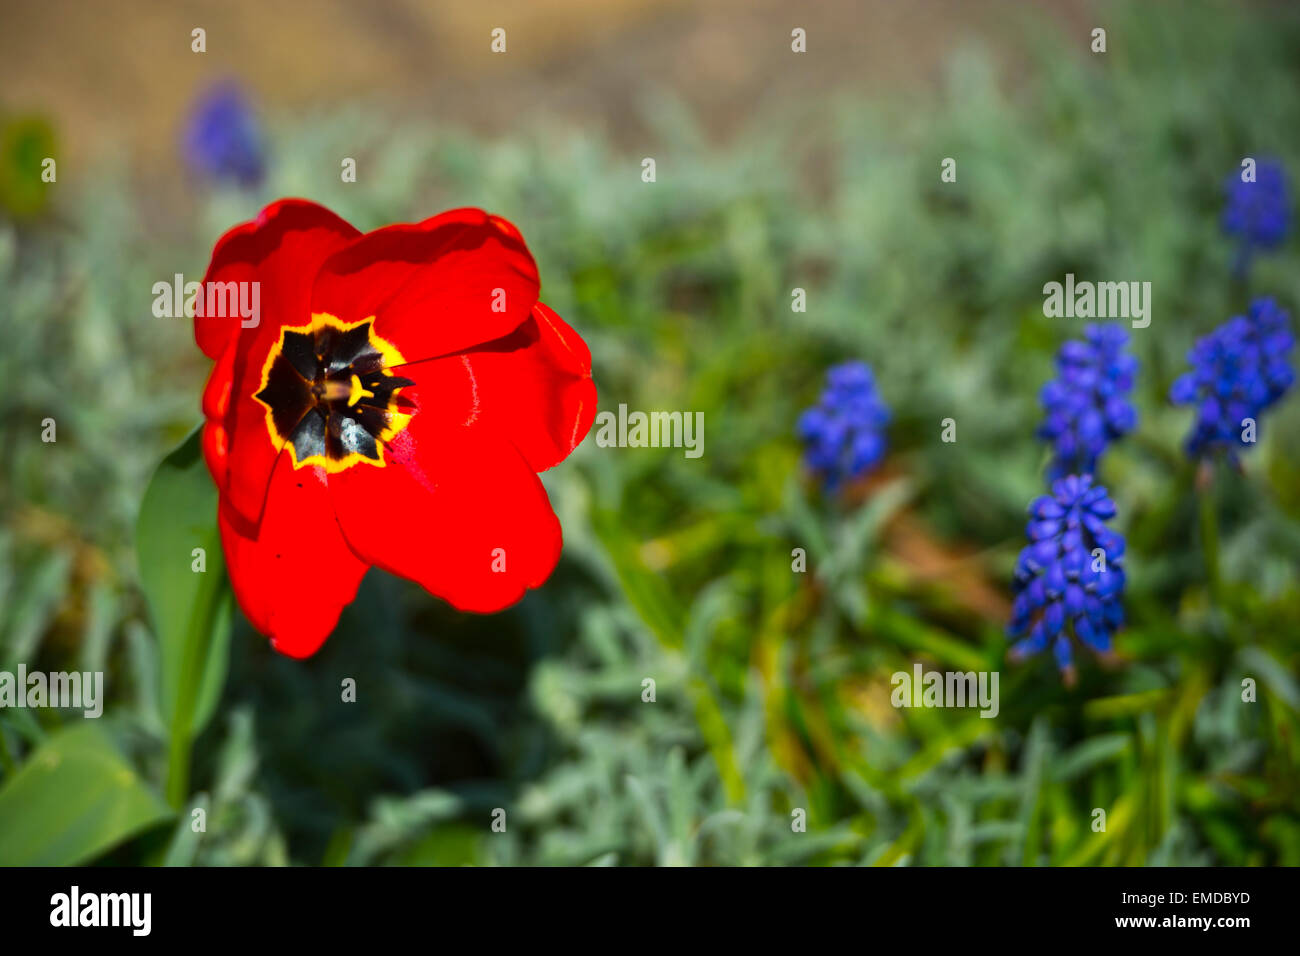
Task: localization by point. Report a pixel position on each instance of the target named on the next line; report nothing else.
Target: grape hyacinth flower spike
(223, 141)
(1257, 213)
(1069, 579)
(1240, 369)
(1086, 406)
(842, 434)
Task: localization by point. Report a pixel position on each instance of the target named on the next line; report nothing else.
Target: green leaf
(184, 845)
(1089, 754)
(73, 799)
(191, 610)
(1273, 674)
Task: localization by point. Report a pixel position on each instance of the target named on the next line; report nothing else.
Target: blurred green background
(775, 171)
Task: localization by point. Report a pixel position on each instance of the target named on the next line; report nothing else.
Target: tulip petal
(459, 279)
(297, 573)
(458, 510)
(532, 387)
(281, 251)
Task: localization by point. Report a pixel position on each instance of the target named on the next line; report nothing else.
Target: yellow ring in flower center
(330, 393)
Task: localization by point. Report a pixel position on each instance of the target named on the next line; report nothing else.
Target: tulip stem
(178, 768)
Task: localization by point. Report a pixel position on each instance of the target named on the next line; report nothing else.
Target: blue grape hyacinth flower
(1069, 579)
(842, 434)
(1238, 371)
(1086, 406)
(1257, 213)
(223, 140)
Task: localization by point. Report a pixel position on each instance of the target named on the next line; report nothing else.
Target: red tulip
(390, 407)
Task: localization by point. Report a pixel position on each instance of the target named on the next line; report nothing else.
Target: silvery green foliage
(772, 690)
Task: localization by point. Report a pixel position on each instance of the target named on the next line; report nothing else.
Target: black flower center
(329, 395)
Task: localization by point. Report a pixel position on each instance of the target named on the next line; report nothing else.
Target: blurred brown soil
(122, 72)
